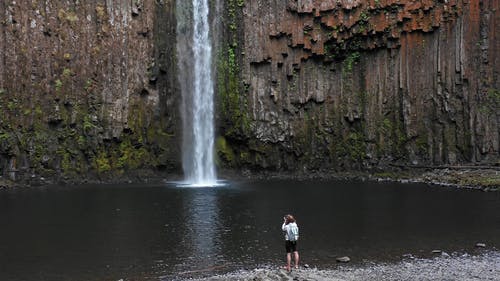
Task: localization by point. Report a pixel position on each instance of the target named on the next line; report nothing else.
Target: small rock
(306, 265)
(437, 251)
(135, 11)
(408, 256)
(480, 245)
(343, 259)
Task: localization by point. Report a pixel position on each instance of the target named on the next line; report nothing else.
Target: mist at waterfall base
(194, 51)
(158, 232)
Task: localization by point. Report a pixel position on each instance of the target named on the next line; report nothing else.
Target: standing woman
(291, 231)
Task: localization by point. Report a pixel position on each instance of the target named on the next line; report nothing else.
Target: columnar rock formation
(85, 87)
(90, 87)
(366, 83)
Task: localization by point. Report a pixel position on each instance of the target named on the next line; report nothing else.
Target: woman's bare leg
(288, 261)
(296, 256)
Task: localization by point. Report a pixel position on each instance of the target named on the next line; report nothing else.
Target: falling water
(194, 50)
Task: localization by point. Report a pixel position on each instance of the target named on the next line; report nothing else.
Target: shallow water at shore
(485, 266)
(152, 232)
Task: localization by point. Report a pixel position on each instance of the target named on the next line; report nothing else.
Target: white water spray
(194, 49)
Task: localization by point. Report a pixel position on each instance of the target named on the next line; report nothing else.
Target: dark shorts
(291, 246)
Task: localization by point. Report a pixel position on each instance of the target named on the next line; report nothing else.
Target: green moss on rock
(102, 162)
(225, 154)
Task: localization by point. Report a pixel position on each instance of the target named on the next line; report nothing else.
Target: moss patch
(232, 102)
(225, 154)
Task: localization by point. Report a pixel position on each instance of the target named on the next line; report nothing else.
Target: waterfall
(194, 51)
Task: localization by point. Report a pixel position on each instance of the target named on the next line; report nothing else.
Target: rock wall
(87, 88)
(359, 84)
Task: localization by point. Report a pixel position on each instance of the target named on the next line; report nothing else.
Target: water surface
(133, 232)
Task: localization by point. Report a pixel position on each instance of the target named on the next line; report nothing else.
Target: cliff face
(87, 87)
(347, 84)
(90, 87)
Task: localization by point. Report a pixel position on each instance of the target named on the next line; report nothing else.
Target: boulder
(344, 259)
(480, 245)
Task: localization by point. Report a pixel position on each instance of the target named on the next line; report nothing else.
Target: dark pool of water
(137, 232)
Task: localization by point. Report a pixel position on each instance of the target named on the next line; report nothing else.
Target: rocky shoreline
(484, 178)
(481, 178)
(484, 266)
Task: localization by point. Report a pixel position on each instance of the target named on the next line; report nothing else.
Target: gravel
(445, 267)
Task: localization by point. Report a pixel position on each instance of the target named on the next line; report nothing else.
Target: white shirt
(285, 227)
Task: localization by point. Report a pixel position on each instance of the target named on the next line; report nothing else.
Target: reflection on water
(201, 217)
(139, 232)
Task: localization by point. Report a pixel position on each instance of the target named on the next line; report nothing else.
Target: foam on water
(190, 184)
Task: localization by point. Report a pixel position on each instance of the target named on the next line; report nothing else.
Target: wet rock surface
(343, 259)
(455, 267)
